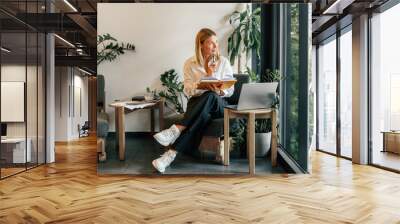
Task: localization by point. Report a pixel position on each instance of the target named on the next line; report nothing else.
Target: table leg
(116, 127)
(251, 142)
(274, 151)
(226, 137)
(152, 129)
(161, 114)
(384, 142)
(121, 132)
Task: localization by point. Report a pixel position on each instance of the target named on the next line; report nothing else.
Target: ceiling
(72, 20)
(76, 22)
(330, 15)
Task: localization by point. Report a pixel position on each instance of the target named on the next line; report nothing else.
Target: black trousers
(200, 111)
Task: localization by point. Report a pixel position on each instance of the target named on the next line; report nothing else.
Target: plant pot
(262, 143)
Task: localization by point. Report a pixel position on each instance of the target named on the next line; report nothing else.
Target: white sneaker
(167, 136)
(164, 161)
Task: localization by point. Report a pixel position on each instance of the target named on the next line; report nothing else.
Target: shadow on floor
(141, 150)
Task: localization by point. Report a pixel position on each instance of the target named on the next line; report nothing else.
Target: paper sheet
(137, 106)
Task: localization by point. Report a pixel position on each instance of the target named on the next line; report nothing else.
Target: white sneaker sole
(159, 140)
(154, 163)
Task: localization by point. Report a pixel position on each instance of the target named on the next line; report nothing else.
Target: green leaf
(173, 89)
(112, 49)
(247, 33)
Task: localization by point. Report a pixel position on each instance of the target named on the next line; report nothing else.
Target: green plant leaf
(173, 89)
(108, 48)
(247, 33)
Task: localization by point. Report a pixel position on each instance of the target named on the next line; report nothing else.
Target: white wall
(17, 73)
(80, 84)
(164, 37)
(33, 127)
(68, 82)
(14, 73)
(61, 104)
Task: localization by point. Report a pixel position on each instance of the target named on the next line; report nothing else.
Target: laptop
(256, 96)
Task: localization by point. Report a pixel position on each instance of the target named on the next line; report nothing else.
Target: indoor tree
(246, 35)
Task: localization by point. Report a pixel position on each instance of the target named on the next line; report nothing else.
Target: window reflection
(346, 94)
(327, 96)
(385, 89)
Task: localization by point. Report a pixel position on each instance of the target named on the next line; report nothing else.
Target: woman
(203, 105)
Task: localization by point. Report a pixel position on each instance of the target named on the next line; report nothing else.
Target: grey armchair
(102, 119)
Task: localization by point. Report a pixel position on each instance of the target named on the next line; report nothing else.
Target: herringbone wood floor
(70, 191)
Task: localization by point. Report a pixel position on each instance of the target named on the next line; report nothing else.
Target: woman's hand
(210, 67)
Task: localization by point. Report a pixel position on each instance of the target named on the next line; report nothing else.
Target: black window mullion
(338, 92)
(26, 87)
(369, 100)
(303, 84)
(283, 68)
(0, 97)
(37, 92)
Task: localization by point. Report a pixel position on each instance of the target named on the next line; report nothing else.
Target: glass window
(31, 101)
(294, 121)
(292, 84)
(327, 96)
(346, 94)
(15, 150)
(22, 92)
(385, 89)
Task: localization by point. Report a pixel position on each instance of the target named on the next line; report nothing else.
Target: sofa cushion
(100, 91)
(215, 128)
(102, 125)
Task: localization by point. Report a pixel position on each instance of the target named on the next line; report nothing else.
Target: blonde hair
(201, 36)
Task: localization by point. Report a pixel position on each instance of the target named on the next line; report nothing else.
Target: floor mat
(141, 150)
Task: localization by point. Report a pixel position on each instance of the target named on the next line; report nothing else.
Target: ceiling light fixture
(70, 5)
(5, 50)
(84, 71)
(64, 40)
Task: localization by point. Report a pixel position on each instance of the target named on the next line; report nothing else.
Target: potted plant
(173, 92)
(263, 127)
(262, 137)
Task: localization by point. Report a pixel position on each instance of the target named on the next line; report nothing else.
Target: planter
(262, 143)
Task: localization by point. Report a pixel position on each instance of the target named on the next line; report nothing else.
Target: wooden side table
(251, 115)
(120, 112)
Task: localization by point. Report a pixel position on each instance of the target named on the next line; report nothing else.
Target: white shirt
(193, 72)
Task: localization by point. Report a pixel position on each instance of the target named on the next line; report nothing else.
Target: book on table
(206, 81)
